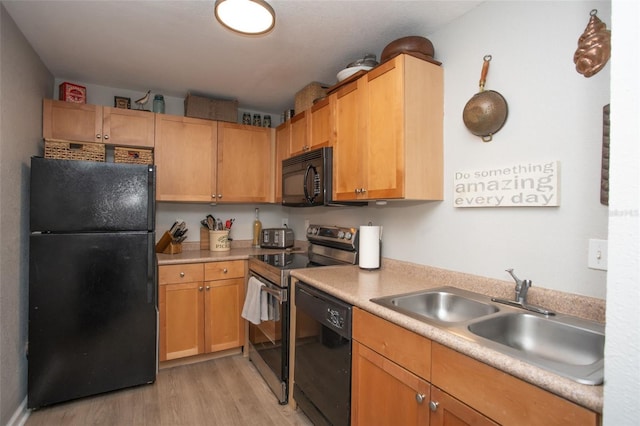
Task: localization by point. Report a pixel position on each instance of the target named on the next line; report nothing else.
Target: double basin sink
(568, 346)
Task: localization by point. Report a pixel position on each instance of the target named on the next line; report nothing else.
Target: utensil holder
(204, 238)
(219, 241)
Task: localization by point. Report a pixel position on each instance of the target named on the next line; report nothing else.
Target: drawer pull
(225, 270)
(181, 274)
(433, 406)
(419, 398)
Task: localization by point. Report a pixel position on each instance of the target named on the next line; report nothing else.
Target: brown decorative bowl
(414, 44)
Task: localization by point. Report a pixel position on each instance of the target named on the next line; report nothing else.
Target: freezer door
(92, 314)
(87, 196)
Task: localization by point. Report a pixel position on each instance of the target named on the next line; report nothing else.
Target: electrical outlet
(285, 222)
(598, 254)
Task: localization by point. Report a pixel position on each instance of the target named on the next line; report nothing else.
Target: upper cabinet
(311, 129)
(246, 158)
(299, 133)
(216, 162)
(186, 159)
(95, 123)
(388, 142)
(283, 138)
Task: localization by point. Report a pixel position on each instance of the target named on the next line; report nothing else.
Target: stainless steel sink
(443, 305)
(543, 338)
(566, 345)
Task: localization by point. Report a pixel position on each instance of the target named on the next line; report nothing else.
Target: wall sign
(520, 185)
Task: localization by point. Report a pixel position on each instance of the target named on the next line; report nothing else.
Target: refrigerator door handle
(151, 200)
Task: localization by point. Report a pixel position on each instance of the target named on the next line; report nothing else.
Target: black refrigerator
(93, 314)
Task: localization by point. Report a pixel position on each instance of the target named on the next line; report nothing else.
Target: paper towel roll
(369, 250)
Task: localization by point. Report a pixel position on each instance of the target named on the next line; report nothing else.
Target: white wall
(622, 346)
(24, 81)
(554, 114)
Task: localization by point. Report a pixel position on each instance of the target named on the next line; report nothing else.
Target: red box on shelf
(70, 92)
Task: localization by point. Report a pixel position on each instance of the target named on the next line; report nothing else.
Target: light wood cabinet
(299, 125)
(95, 123)
(500, 396)
(246, 158)
(383, 393)
(186, 159)
(181, 310)
(224, 298)
(207, 161)
(399, 377)
(389, 137)
(311, 129)
(200, 306)
(283, 138)
(320, 124)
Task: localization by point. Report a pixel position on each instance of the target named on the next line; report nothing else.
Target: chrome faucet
(522, 288)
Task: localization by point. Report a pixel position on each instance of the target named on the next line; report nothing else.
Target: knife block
(173, 248)
(167, 246)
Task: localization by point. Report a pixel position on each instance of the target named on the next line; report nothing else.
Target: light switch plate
(598, 255)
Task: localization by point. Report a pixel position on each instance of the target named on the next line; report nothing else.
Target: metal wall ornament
(594, 47)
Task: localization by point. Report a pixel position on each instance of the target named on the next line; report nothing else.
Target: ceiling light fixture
(249, 17)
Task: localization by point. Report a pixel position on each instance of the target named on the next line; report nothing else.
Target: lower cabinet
(399, 377)
(200, 306)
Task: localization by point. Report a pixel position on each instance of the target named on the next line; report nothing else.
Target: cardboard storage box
(210, 109)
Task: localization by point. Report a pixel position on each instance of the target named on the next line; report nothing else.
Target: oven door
(269, 340)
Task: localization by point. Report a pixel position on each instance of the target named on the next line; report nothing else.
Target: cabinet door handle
(98, 136)
(208, 288)
(181, 274)
(433, 405)
(106, 136)
(419, 398)
(219, 195)
(200, 288)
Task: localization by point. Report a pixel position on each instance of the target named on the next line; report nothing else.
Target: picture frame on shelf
(121, 102)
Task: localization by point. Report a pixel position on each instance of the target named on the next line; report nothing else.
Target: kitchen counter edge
(357, 287)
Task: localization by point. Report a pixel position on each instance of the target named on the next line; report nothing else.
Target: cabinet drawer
(400, 345)
(500, 396)
(183, 273)
(224, 270)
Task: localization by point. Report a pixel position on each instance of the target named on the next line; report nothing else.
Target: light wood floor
(224, 391)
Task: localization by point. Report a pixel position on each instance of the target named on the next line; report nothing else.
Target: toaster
(276, 238)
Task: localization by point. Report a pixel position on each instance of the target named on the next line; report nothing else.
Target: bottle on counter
(257, 228)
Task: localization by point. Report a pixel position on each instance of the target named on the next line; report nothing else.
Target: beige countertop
(240, 250)
(357, 286)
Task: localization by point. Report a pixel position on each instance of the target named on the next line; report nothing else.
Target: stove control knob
(340, 234)
(309, 230)
(348, 235)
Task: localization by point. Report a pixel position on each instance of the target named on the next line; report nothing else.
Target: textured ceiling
(172, 47)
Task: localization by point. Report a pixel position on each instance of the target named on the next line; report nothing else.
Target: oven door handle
(279, 293)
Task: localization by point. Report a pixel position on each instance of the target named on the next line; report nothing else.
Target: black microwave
(307, 180)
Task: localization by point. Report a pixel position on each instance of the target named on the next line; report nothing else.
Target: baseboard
(21, 415)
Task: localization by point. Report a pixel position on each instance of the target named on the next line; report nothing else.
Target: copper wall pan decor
(486, 112)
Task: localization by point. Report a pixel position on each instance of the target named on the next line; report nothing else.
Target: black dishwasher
(322, 375)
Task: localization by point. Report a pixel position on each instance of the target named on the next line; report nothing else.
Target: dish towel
(252, 302)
